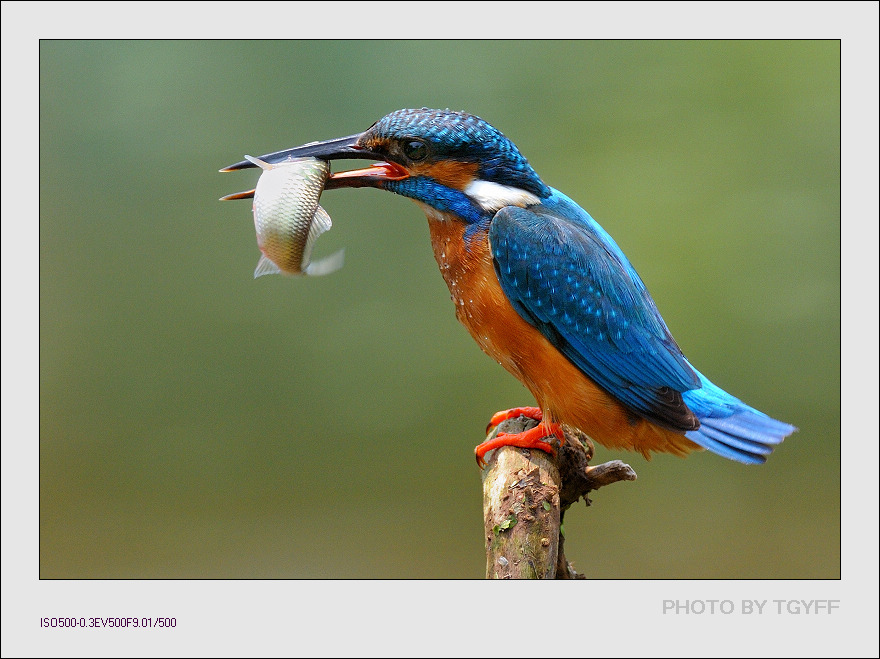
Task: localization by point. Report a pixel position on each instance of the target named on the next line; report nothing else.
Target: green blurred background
(195, 422)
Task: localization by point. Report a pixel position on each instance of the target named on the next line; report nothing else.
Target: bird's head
(449, 161)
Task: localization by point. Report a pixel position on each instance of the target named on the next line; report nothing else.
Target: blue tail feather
(724, 450)
(731, 428)
(733, 440)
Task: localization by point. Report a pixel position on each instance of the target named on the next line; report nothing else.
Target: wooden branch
(525, 496)
(521, 512)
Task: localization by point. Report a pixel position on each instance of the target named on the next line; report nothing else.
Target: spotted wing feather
(586, 299)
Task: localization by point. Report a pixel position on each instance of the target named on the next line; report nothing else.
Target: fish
(288, 218)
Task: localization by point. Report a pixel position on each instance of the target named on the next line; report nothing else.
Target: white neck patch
(494, 196)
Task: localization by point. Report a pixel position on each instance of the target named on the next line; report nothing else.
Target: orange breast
(563, 392)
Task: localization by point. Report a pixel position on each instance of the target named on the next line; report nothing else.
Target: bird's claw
(531, 439)
(514, 412)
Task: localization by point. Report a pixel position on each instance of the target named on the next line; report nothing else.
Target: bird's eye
(415, 149)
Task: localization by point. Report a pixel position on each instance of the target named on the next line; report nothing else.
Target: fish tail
(321, 223)
(326, 265)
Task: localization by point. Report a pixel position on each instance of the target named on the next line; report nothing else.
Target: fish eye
(415, 150)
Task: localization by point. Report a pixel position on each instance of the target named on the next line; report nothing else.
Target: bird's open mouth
(336, 149)
(357, 178)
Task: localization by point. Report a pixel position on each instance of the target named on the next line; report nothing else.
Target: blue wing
(564, 275)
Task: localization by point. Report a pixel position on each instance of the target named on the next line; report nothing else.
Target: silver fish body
(288, 219)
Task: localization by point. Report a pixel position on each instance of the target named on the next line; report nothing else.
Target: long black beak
(341, 147)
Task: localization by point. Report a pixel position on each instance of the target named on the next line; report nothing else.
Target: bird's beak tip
(247, 194)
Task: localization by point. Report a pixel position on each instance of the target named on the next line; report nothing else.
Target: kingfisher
(546, 292)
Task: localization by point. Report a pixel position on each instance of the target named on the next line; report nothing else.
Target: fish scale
(288, 219)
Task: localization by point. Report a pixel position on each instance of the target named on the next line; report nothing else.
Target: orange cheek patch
(451, 173)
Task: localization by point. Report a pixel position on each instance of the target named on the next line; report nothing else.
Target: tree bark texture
(525, 495)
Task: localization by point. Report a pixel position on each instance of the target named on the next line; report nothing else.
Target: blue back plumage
(578, 289)
(568, 278)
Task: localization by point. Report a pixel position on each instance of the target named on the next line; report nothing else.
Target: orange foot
(527, 439)
(528, 412)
